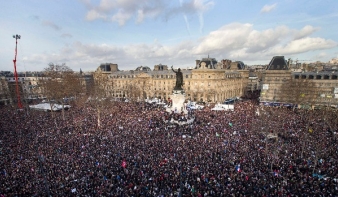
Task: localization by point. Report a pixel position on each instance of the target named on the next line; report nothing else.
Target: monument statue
(179, 79)
(178, 95)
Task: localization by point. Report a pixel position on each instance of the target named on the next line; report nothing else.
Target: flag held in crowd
(238, 168)
(124, 164)
(310, 130)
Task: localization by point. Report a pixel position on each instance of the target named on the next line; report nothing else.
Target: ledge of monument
(178, 92)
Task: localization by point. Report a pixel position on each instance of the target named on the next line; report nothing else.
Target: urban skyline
(83, 34)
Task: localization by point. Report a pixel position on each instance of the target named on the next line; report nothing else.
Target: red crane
(15, 73)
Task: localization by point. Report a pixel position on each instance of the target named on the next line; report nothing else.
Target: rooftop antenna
(15, 73)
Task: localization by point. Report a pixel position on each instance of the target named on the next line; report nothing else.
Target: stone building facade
(325, 88)
(28, 85)
(208, 80)
(279, 84)
(4, 91)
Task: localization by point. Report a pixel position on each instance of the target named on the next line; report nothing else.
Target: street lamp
(15, 73)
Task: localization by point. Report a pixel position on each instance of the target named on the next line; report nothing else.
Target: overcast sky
(85, 33)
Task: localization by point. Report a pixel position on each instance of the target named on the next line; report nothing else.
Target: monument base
(178, 99)
(178, 92)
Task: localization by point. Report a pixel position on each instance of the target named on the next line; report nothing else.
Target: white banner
(265, 86)
(335, 91)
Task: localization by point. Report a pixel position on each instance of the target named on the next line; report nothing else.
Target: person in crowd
(136, 151)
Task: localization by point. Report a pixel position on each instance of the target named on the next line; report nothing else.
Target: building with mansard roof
(280, 85)
(207, 80)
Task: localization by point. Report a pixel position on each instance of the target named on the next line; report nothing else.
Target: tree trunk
(63, 111)
(98, 117)
(51, 109)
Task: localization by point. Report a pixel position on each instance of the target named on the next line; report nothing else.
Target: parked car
(194, 105)
(229, 101)
(201, 103)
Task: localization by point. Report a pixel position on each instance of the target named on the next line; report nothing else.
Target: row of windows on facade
(164, 88)
(326, 77)
(170, 76)
(319, 84)
(120, 84)
(202, 84)
(333, 77)
(285, 80)
(319, 94)
(29, 83)
(21, 79)
(133, 76)
(319, 100)
(119, 93)
(306, 92)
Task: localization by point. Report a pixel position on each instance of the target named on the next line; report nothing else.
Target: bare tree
(211, 95)
(60, 82)
(142, 84)
(197, 90)
(98, 94)
(133, 92)
(298, 92)
(5, 93)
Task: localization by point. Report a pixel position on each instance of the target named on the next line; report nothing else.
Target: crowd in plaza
(251, 151)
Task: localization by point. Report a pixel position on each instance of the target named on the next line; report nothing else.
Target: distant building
(315, 87)
(87, 81)
(4, 92)
(273, 77)
(107, 67)
(278, 63)
(253, 87)
(208, 81)
(30, 87)
(334, 61)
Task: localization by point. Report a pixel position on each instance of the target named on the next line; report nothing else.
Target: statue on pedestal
(178, 95)
(179, 79)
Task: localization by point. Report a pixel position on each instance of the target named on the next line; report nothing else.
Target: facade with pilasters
(208, 81)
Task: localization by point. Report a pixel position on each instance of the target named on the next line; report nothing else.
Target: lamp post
(15, 73)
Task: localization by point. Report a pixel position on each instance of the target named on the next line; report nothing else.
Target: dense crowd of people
(135, 151)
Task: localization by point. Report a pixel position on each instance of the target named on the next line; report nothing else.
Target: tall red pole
(15, 73)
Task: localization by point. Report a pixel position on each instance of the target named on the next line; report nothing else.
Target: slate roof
(278, 63)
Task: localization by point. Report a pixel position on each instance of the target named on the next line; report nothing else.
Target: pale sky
(131, 33)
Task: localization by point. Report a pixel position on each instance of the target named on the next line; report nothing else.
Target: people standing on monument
(179, 78)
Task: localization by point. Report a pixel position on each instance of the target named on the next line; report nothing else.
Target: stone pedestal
(178, 98)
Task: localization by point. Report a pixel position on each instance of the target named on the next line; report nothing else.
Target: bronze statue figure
(179, 79)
